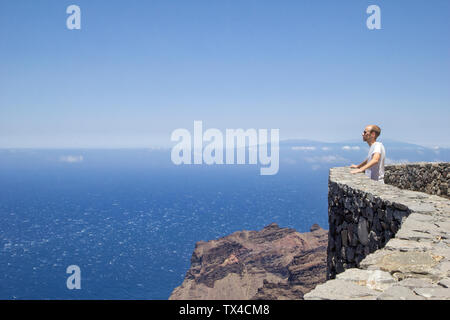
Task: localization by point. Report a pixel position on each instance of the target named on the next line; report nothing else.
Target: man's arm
(354, 166)
(375, 159)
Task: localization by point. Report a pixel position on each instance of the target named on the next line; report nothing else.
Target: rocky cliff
(273, 263)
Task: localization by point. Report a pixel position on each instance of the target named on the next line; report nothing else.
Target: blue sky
(137, 70)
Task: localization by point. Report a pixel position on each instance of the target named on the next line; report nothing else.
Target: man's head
(371, 133)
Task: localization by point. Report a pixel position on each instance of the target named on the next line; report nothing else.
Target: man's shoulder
(376, 147)
(378, 144)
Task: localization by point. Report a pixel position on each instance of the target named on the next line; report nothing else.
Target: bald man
(373, 166)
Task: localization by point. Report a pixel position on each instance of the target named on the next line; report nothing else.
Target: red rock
(273, 263)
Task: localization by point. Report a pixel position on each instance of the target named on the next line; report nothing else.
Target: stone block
(399, 293)
(439, 293)
(340, 290)
(363, 233)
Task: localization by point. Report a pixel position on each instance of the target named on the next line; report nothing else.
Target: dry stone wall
(431, 178)
(385, 242)
(360, 223)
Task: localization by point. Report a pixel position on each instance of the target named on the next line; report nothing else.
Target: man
(373, 166)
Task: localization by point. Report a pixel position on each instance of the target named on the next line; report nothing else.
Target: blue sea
(130, 218)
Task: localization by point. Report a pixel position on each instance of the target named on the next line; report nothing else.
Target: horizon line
(159, 147)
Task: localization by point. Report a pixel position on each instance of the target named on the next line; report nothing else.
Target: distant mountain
(359, 142)
(317, 154)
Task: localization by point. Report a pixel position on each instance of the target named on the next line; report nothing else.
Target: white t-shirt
(377, 171)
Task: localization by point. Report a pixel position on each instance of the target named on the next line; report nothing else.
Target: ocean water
(130, 218)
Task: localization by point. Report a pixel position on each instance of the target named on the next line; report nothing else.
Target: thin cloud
(304, 148)
(392, 161)
(71, 159)
(347, 148)
(326, 159)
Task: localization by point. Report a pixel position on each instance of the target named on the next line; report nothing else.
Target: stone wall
(360, 222)
(386, 242)
(431, 178)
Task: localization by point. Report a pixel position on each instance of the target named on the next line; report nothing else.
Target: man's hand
(366, 165)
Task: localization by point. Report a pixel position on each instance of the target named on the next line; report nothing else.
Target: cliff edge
(273, 263)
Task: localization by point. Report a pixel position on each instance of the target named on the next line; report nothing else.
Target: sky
(138, 70)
